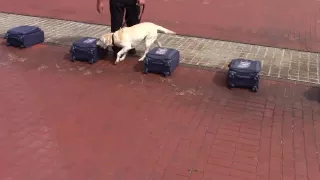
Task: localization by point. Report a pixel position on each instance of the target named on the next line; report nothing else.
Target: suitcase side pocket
(86, 54)
(157, 66)
(243, 77)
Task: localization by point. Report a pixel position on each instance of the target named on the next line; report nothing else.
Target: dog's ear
(101, 44)
(105, 40)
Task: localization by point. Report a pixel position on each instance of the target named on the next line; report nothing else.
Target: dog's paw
(122, 58)
(141, 59)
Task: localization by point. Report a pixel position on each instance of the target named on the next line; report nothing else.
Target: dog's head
(105, 41)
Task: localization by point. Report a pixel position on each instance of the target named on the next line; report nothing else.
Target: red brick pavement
(281, 23)
(116, 123)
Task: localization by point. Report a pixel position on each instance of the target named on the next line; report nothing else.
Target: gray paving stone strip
(276, 62)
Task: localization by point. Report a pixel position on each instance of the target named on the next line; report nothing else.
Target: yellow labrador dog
(129, 37)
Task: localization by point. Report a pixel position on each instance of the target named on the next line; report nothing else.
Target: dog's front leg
(123, 52)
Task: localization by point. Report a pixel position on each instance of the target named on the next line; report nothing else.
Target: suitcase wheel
(254, 89)
(91, 61)
(8, 44)
(73, 59)
(230, 86)
(145, 71)
(166, 74)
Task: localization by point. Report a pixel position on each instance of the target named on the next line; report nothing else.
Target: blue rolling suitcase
(86, 49)
(244, 73)
(24, 36)
(161, 60)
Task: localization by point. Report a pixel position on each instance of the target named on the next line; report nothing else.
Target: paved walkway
(279, 63)
(62, 121)
(250, 21)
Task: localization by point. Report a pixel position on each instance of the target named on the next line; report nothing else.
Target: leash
(112, 39)
(140, 16)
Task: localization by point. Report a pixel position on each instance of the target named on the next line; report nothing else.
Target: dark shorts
(127, 2)
(123, 9)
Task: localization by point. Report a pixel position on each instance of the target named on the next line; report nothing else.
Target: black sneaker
(115, 49)
(132, 51)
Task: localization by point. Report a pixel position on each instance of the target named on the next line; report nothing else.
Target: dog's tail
(164, 30)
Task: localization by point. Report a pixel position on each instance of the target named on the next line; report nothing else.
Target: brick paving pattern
(63, 120)
(279, 63)
(246, 21)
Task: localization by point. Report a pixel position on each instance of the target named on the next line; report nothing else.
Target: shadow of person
(138, 67)
(220, 78)
(312, 94)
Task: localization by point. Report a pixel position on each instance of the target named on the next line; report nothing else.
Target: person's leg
(132, 15)
(116, 13)
(132, 18)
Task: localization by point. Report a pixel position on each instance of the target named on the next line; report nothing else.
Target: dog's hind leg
(144, 54)
(149, 42)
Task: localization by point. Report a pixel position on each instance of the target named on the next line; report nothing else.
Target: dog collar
(112, 39)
